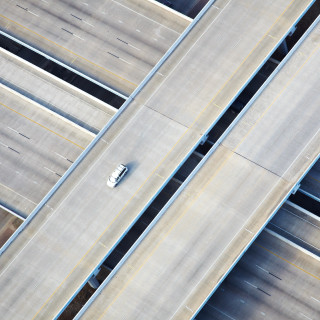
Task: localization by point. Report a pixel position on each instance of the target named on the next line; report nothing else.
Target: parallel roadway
(82, 222)
(37, 147)
(53, 93)
(116, 42)
(273, 280)
(298, 225)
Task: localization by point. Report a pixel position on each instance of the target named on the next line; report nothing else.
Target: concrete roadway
(218, 213)
(298, 225)
(157, 131)
(273, 280)
(53, 93)
(116, 42)
(37, 147)
(311, 182)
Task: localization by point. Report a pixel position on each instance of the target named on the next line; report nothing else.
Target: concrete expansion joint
(149, 107)
(257, 164)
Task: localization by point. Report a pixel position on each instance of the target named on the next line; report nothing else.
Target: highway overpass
(153, 134)
(201, 234)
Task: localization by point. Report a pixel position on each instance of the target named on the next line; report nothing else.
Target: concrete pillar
(296, 188)
(94, 283)
(283, 48)
(204, 139)
(292, 30)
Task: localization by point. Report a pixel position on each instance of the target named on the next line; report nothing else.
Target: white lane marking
(305, 316)
(139, 14)
(263, 313)
(26, 10)
(155, 39)
(268, 272)
(84, 3)
(242, 301)
(13, 129)
(130, 45)
(78, 37)
(262, 269)
(120, 21)
(315, 299)
(18, 172)
(88, 23)
(189, 309)
(4, 144)
(211, 306)
(295, 236)
(60, 155)
(45, 1)
(248, 230)
(138, 30)
(49, 170)
(33, 13)
(124, 61)
(21, 134)
(250, 284)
